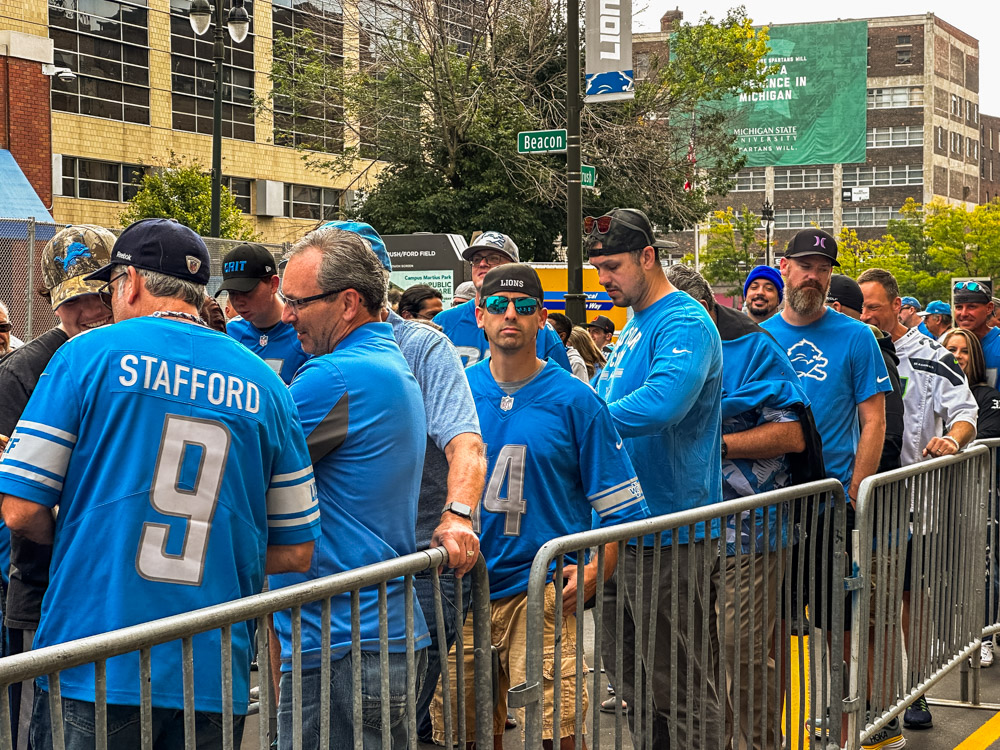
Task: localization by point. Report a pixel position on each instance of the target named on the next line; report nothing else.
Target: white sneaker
(986, 654)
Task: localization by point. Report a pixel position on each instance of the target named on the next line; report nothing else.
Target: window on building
(307, 34)
(100, 180)
(903, 57)
(240, 189)
(193, 78)
(896, 96)
(749, 179)
(971, 148)
(940, 137)
(641, 66)
(896, 136)
(802, 218)
(903, 39)
(799, 179)
(106, 44)
(876, 176)
(868, 216)
(956, 143)
(305, 202)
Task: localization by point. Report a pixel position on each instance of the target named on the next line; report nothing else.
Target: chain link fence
(21, 245)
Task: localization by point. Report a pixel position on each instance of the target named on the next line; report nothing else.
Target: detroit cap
(497, 241)
(512, 277)
(603, 323)
(845, 290)
(244, 266)
(161, 245)
(629, 230)
(937, 307)
(70, 257)
(812, 242)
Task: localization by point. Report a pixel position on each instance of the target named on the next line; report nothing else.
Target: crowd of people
(308, 426)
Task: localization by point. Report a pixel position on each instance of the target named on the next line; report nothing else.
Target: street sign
(541, 141)
(588, 176)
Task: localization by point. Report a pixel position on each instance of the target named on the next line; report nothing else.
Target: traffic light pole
(575, 298)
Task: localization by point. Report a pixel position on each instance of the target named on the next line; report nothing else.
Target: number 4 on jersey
(509, 468)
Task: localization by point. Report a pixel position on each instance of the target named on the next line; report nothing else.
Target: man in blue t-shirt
(554, 458)
(364, 423)
(217, 491)
(491, 249)
(663, 386)
(250, 275)
(973, 310)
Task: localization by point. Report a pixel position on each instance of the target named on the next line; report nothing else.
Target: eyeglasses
(6, 327)
(602, 223)
(491, 259)
(107, 291)
(297, 304)
(497, 304)
(971, 286)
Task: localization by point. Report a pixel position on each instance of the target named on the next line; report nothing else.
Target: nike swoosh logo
(618, 445)
(681, 351)
(879, 380)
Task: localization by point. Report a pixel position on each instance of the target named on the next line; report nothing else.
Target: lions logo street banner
(609, 51)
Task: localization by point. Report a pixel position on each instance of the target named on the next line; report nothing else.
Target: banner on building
(609, 51)
(813, 108)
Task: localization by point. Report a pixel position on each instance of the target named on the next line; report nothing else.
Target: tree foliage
(731, 250)
(184, 192)
(443, 88)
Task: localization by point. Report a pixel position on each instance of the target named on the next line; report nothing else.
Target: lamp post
(576, 300)
(238, 24)
(767, 216)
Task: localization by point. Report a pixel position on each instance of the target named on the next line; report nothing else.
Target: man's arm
(288, 558)
(589, 578)
(960, 434)
(769, 440)
(466, 476)
(30, 520)
(871, 414)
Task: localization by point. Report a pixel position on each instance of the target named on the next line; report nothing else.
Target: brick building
(989, 167)
(923, 135)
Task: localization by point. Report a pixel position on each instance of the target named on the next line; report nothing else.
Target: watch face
(460, 509)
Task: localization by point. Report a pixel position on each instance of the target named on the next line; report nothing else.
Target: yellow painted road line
(983, 737)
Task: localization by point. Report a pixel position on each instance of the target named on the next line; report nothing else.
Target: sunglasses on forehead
(971, 286)
(497, 304)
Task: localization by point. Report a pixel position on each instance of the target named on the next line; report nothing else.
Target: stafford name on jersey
(162, 377)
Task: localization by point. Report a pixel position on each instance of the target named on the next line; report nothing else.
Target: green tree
(184, 192)
(731, 250)
(857, 255)
(441, 93)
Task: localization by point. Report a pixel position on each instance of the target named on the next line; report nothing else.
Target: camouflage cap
(70, 255)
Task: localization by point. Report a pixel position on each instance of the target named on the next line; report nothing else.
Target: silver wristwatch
(459, 509)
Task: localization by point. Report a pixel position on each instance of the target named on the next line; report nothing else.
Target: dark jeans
(342, 703)
(424, 590)
(124, 726)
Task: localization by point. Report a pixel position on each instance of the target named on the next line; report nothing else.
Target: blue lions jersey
(279, 346)
(553, 458)
(175, 458)
(363, 416)
(459, 324)
(991, 354)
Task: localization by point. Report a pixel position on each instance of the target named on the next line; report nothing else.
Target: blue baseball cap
(912, 302)
(368, 234)
(162, 245)
(769, 274)
(937, 307)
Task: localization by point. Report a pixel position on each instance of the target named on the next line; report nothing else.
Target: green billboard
(813, 108)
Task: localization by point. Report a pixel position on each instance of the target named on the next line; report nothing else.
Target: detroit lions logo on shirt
(808, 360)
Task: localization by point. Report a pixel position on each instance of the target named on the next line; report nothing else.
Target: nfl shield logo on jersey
(507, 403)
(263, 340)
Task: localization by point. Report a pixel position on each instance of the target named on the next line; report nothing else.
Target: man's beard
(805, 300)
(764, 306)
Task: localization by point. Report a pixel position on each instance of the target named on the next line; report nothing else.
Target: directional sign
(588, 176)
(541, 141)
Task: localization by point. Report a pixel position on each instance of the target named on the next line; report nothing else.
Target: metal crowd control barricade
(919, 585)
(765, 558)
(142, 638)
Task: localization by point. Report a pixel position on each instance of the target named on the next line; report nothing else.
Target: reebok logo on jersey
(808, 360)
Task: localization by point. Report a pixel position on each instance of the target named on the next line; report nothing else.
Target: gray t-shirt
(512, 387)
(450, 411)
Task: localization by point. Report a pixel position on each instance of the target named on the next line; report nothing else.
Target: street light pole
(767, 215)
(575, 298)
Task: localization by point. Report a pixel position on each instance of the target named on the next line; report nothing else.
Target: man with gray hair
(365, 426)
(5, 329)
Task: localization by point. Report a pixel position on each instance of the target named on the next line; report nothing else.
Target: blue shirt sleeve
(448, 401)
(609, 480)
(868, 367)
(34, 465)
(292, 501)
(551, 346)
(320, 394)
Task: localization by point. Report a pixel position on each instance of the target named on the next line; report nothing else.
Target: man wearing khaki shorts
(553, 459)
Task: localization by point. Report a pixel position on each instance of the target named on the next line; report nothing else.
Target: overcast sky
(979, 18)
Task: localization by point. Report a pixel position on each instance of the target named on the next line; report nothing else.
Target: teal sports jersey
(553, 459)
(175, 458)
(364, 421)
(991, 353)
(459, 325)
(278, 346)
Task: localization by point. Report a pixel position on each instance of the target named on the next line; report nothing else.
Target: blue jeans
(423, 588)
(125, 728)
(342, 702)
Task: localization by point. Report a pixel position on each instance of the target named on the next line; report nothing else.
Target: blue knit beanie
(768, 273)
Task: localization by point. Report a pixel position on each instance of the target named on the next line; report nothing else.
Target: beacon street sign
(541, 141)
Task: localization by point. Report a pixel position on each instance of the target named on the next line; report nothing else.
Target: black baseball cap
(244, 266)
(813, 242)
(628, 230)
(845, 290)
(972, 291)
(603, 323)
(161, 245)
(512, 277)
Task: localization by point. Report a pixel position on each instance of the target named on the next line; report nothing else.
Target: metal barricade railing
(725, 665)
(97, 650)
(920, 550)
